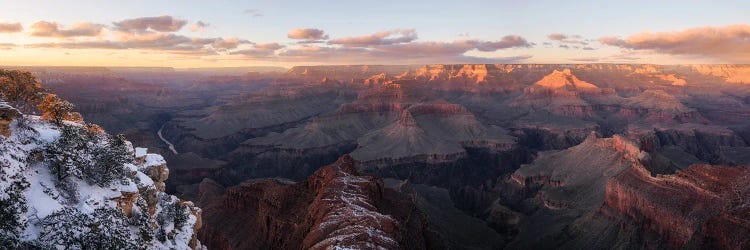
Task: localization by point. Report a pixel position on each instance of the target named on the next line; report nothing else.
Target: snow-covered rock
(95, 195)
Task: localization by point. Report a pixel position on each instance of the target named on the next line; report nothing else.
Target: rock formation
(73, 186)
(334, 208)
(7, 115)
(703, 206)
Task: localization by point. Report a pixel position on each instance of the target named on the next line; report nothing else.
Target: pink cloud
(53, 29)
(10, 27)
(504, 43)
(307, 34)
(562, 39)
(557, 37)
(729, 43)
(159, 23)
(412, 52)
(268, 46)
(147, 41)
(228, 43)
(7, 46)
(262, 50)
(379, 38)
(199, 26)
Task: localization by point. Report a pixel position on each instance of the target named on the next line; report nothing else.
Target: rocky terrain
(523, 155)
(335, 208)
(73, 186)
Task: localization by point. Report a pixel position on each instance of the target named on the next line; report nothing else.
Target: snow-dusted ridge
(101, 194)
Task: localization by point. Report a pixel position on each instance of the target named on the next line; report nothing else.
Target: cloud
(557, 37)
(379, 38)
(7, 46)
(310, 41)
(504, 43)
(410, 52)
(229, 43)
(143, 24)
(443, 49)
(10, 27)
(585, 59)
(729, 43)
(576, 40)
(147, 41)
(53, 29)
(262, 50)
(199, 26)
(307, 34)
(254, 12)
(391, 46)
(269, 46)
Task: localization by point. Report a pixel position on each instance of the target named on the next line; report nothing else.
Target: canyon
(516, 156)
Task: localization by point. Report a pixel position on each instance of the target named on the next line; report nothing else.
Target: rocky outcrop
(107, 200)
(702, 142)
(7, 115)
(699, 207)
(729, 73)
(378, 79)
(568, 185)
(334, 207)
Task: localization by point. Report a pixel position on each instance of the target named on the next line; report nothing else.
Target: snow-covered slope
(76, 187)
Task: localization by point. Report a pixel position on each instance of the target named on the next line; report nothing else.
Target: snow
(130, 187)
(44, 194)
(93, 197)
(144, 179)
(154, 160)
(42, 203)
(140, 152)
(352, 217)
(47, 132)
(131, 167)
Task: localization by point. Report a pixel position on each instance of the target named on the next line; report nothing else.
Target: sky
(187, 33)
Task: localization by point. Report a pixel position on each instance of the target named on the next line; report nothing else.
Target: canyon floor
(480, 156)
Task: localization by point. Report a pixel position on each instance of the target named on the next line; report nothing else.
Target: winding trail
(171, 146)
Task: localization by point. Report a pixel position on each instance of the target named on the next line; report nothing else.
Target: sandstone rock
(7, 115)
(126, 202)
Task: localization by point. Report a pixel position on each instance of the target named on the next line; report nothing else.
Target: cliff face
(696, 207)
(567, 185)
(334, 207)
(602, 193)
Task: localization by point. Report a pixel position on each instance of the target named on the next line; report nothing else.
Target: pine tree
(67, 154)
(66, 228)
(57, 110)
(21, 89)
(11, 209)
